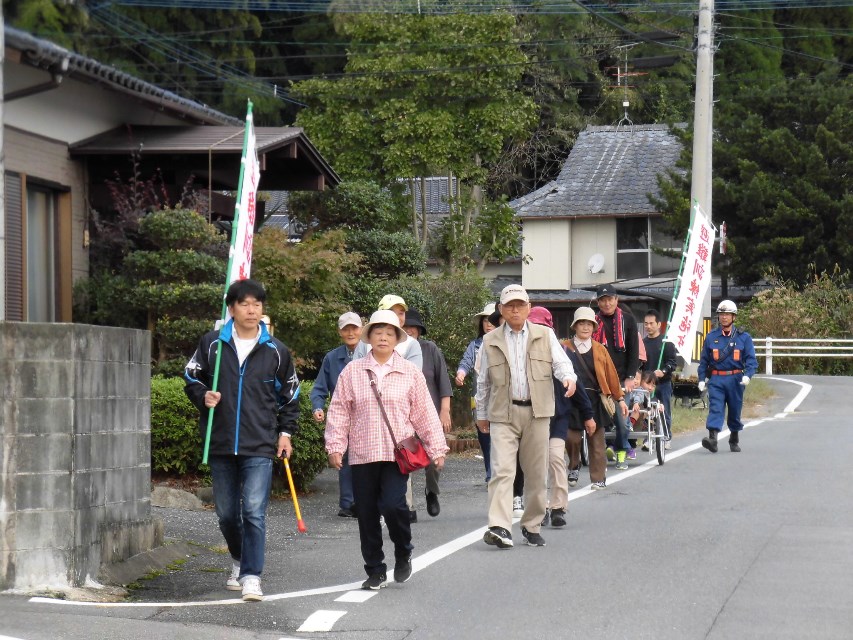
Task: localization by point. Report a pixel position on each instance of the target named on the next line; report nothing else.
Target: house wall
(547, 243)
(74, 110)
(75, 452)
(588, 238)
(47, 160)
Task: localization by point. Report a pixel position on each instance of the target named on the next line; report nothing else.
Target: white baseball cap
(514, 292)
(349, 318)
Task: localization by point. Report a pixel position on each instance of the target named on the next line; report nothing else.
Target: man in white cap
(349, 329)
(515, 401)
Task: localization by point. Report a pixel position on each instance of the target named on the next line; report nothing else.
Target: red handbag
(409, 452)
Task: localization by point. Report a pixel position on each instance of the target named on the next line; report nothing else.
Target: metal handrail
(801, 348)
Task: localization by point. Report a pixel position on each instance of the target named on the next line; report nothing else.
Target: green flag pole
(231, 253)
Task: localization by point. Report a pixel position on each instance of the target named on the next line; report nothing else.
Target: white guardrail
(769, 348)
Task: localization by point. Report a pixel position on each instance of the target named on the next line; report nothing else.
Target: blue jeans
(622, 426)
(485, 441)
(241, 490)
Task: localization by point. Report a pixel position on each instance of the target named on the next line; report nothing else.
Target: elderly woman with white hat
(598, 375)
(354, 424)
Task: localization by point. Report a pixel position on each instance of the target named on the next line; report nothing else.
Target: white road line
(442, 551)
(321, 620)
(361, 595)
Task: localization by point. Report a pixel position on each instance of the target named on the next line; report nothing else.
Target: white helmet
(727, 306)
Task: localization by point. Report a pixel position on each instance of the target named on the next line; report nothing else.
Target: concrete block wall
(75, 452)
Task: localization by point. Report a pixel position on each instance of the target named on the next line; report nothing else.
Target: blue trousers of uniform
(725, 391)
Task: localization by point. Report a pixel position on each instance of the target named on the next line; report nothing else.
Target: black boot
(710, 443)
(734, 438)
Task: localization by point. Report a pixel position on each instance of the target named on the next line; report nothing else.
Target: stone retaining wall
(75, 452)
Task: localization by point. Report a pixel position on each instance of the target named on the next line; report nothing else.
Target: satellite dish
(595, 264)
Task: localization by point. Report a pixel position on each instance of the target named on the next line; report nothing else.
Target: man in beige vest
(515, 401)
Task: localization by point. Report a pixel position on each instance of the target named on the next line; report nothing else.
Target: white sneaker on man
(252, 589)
(517, 507)
(233, 584)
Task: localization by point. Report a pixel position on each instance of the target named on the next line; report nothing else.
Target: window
(41, 254)
(634, 257)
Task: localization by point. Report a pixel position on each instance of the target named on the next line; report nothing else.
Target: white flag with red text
(243, 230)
(686, 319)
(244, 214)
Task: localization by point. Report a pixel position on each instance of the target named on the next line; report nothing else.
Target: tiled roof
(609, 172)
(436, 194)
(45, 54)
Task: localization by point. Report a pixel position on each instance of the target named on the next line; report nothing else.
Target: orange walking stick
(300, 525)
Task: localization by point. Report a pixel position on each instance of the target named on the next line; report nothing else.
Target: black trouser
(380, 488)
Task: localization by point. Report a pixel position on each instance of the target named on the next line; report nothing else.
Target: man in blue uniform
(727, 364)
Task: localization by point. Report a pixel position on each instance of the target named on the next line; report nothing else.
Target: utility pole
(703, 121)
(2, 178)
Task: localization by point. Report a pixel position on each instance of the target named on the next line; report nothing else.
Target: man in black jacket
(617, 330)
(662, 366)
(256, 410)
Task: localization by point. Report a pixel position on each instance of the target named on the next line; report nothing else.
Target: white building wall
(591, 236)
(547, 243)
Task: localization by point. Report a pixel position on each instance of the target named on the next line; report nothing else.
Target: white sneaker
(667, 445)
(517, 506)
(232, 584)
(252, 589)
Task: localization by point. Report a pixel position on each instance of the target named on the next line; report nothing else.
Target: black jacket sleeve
(197, 374)
(288, 395)
(632, 345)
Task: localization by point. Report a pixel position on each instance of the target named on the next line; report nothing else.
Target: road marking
(321, 620)
(442, 551)
(362, 595)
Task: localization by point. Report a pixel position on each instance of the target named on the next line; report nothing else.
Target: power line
(539, 8)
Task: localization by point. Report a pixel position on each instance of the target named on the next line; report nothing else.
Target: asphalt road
(751, 545)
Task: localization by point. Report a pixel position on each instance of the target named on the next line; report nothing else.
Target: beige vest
(538, 370)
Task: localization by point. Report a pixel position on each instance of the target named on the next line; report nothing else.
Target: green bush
(309, 446)
(177, 445)
(822, 308)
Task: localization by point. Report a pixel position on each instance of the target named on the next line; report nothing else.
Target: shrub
(309, 446)
(823, 308)
(177, 445)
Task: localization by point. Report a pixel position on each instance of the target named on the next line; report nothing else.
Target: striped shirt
(354, 422)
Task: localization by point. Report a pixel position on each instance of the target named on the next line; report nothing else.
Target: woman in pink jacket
(354, 423)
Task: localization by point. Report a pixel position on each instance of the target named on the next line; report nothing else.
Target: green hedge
(176, 444)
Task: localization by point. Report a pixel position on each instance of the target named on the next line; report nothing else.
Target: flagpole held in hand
(300, 525)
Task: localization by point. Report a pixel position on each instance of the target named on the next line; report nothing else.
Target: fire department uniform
(725, 360)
